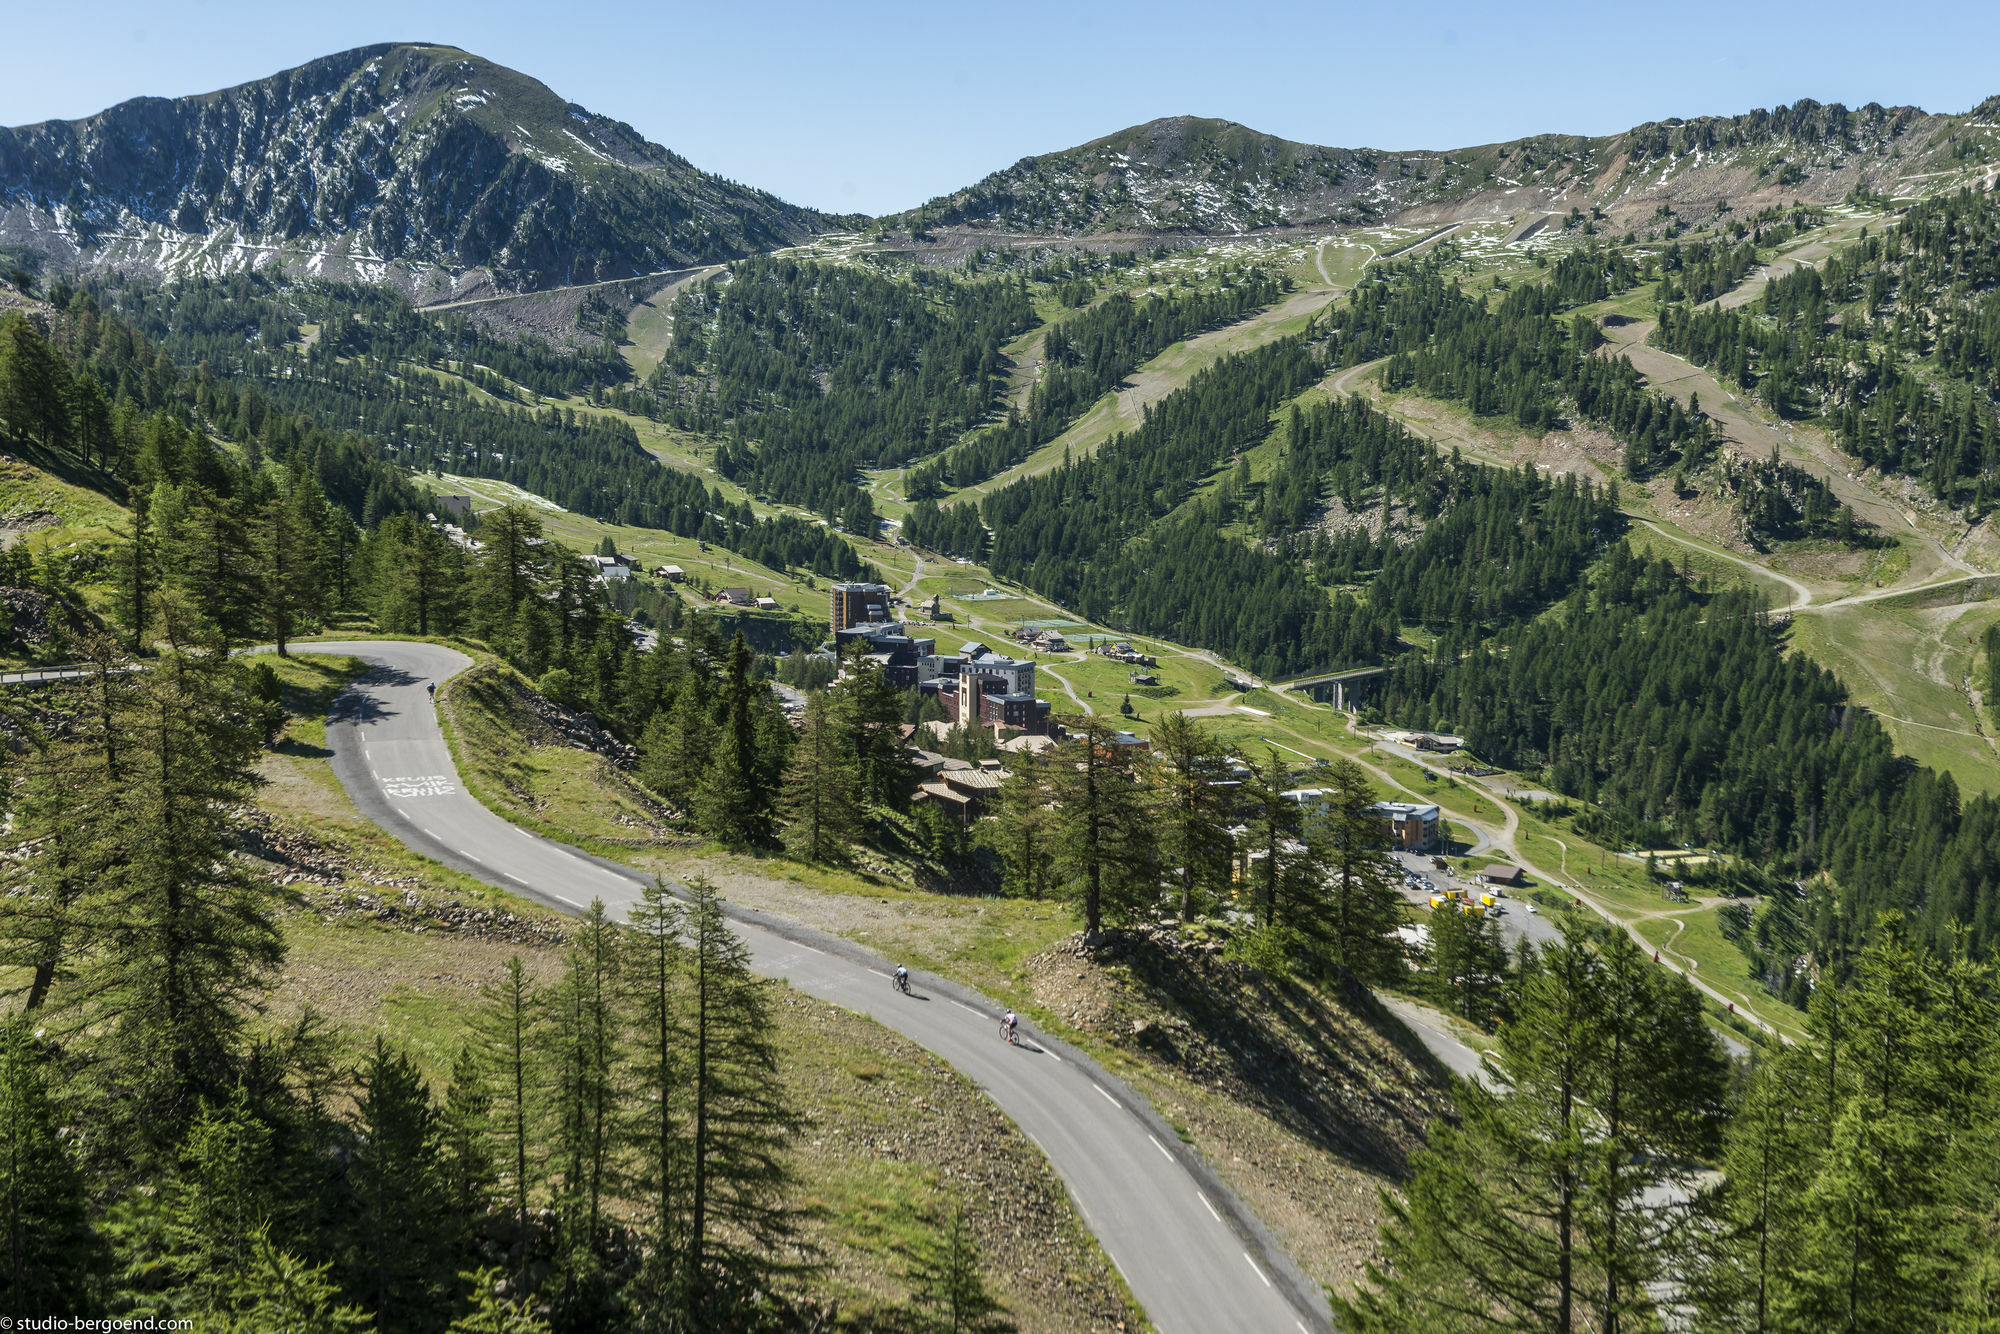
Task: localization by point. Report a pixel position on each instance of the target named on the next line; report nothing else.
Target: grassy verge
(893, 1136)
(1305, 1103)
(302, 796)
(518, 765)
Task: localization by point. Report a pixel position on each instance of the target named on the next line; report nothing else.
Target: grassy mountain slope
(420, 165)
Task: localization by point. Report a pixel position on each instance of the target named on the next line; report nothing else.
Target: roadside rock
(334, 884)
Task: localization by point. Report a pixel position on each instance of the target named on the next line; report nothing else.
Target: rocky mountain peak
(420, 165)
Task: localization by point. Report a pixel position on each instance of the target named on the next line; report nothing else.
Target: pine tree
(1023, 832)
(733, 804)
(48, 1253)
(1352, 903)
(1193, 810)
(1105, 849)
(818, 797)
(946, 1287)
(403, 1238)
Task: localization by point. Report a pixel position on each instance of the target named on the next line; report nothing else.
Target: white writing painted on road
(430, 785)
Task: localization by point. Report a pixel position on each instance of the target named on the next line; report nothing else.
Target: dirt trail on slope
(1147, 386)
(1124, 407)
(1749, 433)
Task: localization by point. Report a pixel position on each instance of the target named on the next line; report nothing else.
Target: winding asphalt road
(1192, 1254)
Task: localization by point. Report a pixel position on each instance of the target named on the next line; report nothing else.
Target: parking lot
(1421, 880)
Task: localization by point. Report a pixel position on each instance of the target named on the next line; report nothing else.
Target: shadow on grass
(1311, 1059)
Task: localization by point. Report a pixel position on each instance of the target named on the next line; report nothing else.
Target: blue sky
(873, 107)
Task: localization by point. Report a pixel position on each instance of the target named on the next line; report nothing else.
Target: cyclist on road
(1007, 1026)
(431, 689)
(902, 979)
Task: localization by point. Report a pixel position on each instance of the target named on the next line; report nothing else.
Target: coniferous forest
(1083, 358)
(612, 1141)
(1836, 341)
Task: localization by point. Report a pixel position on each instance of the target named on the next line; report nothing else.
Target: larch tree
(507, 1032)
(655, 975)
(733, 803)
(186, 941)
(1277, 868)
(583, 1040)
(946, 1286)
(679, 744)
(64, 806)
(738, 1121)
(1468, 962)
(510, 568)
(402, 1242)
(468, 1174)
(1528, 1214)
(288, 534)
